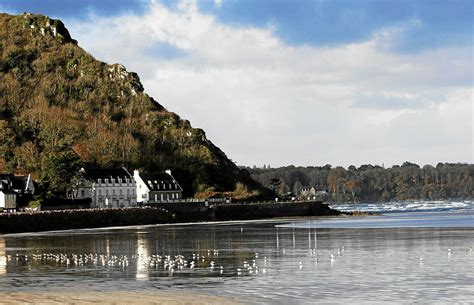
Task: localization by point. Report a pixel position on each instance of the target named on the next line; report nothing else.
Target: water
(402, 256)
(408, 206)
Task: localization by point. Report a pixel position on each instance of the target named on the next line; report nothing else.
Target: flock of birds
(166, 263)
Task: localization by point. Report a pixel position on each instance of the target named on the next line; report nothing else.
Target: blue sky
(313, 22)
(338, 82)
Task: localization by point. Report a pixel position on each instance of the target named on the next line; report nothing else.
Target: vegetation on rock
(61, 109)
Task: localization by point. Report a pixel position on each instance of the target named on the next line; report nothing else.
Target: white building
(7, 199)
(107, 188)
(157, 187)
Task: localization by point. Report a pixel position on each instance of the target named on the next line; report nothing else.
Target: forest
(372, 183)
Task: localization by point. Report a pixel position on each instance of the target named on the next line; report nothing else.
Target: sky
(305, 83)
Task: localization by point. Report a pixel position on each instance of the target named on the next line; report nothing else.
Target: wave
(407, 206)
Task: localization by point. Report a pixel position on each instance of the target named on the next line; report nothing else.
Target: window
(83, 193)
(128, 192)
(106, 192)
(121, 192)
(106, 180)
(99, 180)
(113, 192)
(100, 192)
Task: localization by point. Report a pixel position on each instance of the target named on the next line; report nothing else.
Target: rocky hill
(60, 109)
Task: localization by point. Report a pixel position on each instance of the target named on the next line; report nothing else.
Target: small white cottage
(157, 187)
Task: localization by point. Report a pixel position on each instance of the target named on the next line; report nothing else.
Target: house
(307, 192)
(15, 190)
(157, 187)
(7, 198)
(107, 188)
(19, 184)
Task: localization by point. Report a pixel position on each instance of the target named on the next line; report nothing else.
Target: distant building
(13, 188)
(19, 184)
(307, 192)
(107, 188)
(219, 198)
(157, 187)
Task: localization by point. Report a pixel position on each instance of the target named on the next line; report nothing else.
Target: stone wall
(80, 219)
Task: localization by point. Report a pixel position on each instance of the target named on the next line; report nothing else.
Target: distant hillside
(373, 183)
(61, 109)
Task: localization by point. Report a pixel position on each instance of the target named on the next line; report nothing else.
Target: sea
(417, 252)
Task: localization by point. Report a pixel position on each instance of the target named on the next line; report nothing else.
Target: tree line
(372, 183)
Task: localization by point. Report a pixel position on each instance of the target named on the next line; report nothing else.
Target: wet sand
(110, 297)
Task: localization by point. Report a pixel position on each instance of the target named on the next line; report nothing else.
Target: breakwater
(158, 213)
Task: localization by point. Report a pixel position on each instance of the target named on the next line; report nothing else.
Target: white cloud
(263, 101)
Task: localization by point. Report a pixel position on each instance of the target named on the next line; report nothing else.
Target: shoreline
(171, 214)
(112, 297)
(183, 224)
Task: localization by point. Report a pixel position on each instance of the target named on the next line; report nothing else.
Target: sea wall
(81, 219)
(156, 214)
(271, 210)
(198, 211)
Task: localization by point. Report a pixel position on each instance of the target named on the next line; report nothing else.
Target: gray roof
(160, 182)
(7, 191)
(15, 182)
(106, 173)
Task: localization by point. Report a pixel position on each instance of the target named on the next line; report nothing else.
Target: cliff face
(60, 109)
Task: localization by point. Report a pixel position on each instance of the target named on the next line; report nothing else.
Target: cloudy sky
(285, 82)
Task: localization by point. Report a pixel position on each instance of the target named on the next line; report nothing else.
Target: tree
(297, 188)
(7, 143)
(58, 169)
